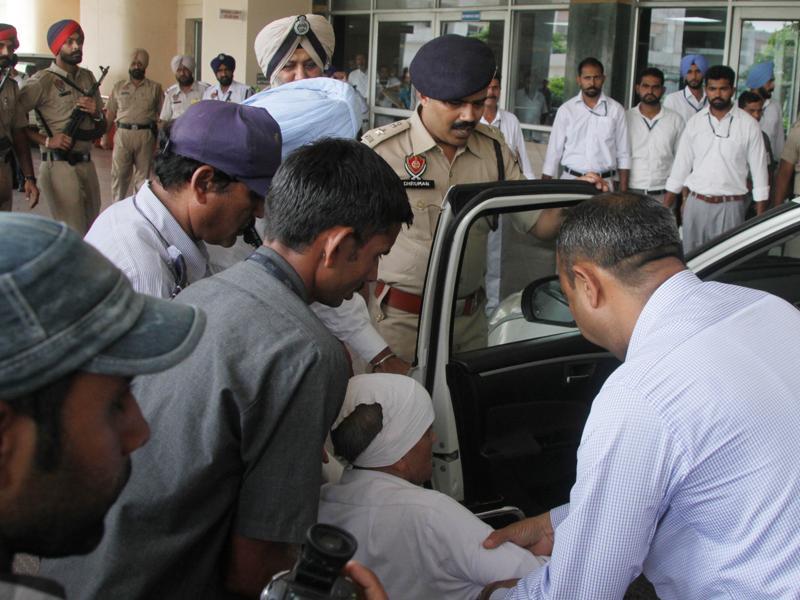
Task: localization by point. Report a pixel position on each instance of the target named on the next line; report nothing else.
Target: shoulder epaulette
(380, 134)
(492, 132)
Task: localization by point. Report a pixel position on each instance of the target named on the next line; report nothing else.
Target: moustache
(491, 97)
(464, 125)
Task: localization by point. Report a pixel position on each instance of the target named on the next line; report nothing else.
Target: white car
(510, 411)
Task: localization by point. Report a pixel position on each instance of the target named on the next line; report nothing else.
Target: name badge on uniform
(415, 165)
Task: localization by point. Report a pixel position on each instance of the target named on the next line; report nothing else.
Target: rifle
(77, 116)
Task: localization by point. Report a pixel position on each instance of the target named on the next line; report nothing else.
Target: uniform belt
(135, 126)
(604, 174)
(648, 192)
(719, 199)
(411, 303)
(70, 157)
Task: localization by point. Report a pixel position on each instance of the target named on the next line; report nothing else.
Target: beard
(225, 81)
(764, 93)
(5, 62)
(136, 74)
(650, 99)
(720, 103)
(185, 81)
(694, 84)
(591, 92)
(71, 58)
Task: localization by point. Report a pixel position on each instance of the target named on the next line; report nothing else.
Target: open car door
(511, 400)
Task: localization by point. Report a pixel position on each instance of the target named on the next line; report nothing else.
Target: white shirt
(359, 80)
(585, 139)
(508, 124)
(772, 125)
(684, 103)
(653, 146)
(137, 242)
(716, 164)
(421, 543)
(176, 101)
(236, 92)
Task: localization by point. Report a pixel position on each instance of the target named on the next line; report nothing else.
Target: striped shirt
(688, 466)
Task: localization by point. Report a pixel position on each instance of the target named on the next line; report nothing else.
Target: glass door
(396, 39)
(487, 25)
(762, 34)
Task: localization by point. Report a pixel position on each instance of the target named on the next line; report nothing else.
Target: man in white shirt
(210, 184)
(692, 98)
(761, 80)
(654, 132)
(226, 89)
(589, 133)
(421, 543)
(718, 146)
(358, 77)
(181, 95)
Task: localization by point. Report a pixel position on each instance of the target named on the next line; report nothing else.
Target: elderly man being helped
(421, 543)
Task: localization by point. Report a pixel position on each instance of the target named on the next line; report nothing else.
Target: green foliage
(559, 43)
(557, 90)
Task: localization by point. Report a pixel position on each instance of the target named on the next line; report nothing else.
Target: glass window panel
(500, 259)
(539, 65)
(667, 34)
(392, 4)
(352, 43)
(350, 4)
(398, 42)
(776, 41)
(470, 3)
(490, 32)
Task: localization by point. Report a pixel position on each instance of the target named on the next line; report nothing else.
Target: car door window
(773, 268)
(500, 258)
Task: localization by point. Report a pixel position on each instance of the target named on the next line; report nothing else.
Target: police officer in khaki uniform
(12, 125)
(67, 176)
(185, 92)
(134, 105)
(441, 145)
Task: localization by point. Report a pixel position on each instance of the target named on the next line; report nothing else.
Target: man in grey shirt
(230, 481)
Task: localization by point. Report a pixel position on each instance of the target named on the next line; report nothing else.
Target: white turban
(311, 109)
(182, 60)
(276, 43)
(407, 415)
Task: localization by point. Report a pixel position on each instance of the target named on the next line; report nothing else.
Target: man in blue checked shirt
(688, 466)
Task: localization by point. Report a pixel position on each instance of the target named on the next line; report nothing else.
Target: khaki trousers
(72, 193)
(132, 157)
(6, 197)
(399, 328)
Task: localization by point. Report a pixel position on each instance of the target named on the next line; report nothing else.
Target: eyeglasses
(722, 137)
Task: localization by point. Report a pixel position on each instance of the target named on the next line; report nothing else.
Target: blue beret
(452, 67)
(223, 59)
(760, 74)
(694, 59)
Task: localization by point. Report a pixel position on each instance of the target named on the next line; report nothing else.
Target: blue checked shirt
(689, 464)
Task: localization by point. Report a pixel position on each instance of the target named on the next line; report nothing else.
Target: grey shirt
(236, 444)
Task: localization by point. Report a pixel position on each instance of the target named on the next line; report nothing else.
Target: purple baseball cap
(243, 142)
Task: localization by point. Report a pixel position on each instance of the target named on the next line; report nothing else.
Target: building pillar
(114, 28)
(602, 29)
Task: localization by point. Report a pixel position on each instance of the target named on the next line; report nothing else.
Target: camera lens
(332, 542)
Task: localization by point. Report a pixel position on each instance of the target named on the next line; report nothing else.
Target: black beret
(452, 67)
(223, 59)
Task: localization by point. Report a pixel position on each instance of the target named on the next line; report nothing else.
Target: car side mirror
(543, 301)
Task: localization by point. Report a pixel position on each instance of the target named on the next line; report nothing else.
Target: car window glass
(774, 269)
(500, 259)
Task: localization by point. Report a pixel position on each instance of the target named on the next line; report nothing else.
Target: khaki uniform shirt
(55, 100)
(416, 158)
(176, 101)
(136, 104)
(791, 154)
(11, 114)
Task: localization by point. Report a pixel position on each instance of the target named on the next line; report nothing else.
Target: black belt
(70, 157)
(604, 175)
(135, 126)
(648, 192)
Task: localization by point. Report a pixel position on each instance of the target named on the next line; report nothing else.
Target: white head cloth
(271, 39)
(182, 60)
(311, 109)
(407, 415)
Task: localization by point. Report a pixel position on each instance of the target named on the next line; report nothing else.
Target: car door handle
(577, 372)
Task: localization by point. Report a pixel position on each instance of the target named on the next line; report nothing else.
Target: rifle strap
(70, 83)
(44, 124)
